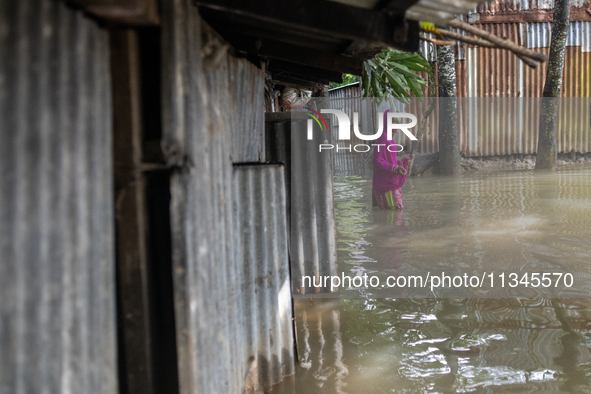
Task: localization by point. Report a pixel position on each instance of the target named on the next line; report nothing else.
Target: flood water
(514, 220)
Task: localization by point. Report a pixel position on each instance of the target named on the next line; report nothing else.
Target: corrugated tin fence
(313, 233)
(246, 92)
(497, 105)
(57, 315)
(228, 225)
(309, 179)
(264, 288)
(218, 318)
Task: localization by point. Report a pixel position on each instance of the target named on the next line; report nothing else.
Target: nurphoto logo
(392, 120)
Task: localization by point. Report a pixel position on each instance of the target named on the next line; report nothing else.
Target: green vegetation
(394, 73)
(391, 73)
(347, 79)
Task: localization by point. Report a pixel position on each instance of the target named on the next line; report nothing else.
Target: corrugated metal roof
(262, 261)
(344, 86)
(56, 212)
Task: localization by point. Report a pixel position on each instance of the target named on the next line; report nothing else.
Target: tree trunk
(546, 157)
(423, 123)
(449, 146)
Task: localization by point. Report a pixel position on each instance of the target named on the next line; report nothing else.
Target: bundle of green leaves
(393, 73)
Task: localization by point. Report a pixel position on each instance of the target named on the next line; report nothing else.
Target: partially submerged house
(147, 220)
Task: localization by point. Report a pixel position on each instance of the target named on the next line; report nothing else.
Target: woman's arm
(379, 160)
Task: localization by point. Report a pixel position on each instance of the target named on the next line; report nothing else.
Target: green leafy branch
(393, 73)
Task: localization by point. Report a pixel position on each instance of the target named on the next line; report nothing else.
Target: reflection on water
(519, 220)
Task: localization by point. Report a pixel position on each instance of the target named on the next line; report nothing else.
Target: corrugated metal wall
(57, 315)
(205, 285)
(516, 130)
(247, 92)
(313, 233)
(497, 6)
(349, 99)
(309, 180)
(199, 141)
(261, 250)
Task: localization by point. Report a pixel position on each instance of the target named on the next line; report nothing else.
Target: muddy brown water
(516, 220)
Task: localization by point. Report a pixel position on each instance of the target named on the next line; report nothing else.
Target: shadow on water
(516, 220)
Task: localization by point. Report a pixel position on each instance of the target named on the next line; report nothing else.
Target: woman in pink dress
(389, 173)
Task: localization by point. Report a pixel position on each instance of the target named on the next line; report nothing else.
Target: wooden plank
(130, 215)
(128, 12)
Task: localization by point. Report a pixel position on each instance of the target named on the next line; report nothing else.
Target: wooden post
(130, 217)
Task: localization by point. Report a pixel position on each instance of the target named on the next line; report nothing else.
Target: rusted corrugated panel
(574, 125)
(498, 6)
(573, 120)
(514, 5)
(502, 127)
(261, 253)
(492, 126)
(525, 11)
(539, 35)
(56, 202)
(247, 108)
(579, 35)
(499, 70)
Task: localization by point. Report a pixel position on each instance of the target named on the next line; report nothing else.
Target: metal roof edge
(344, 86)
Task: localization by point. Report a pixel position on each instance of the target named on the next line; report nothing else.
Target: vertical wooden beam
(130, 217)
